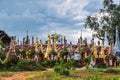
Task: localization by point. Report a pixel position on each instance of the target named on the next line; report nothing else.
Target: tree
(106, 20)
(2, 44)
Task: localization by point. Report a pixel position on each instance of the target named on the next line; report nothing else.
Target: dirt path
(14, 76)
(20, 75)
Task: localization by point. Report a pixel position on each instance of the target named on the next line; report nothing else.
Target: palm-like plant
(2, 44)
(64, 53)
(30, 53)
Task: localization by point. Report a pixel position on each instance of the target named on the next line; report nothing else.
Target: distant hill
(4, 37)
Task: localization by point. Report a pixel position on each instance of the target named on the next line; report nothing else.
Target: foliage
(53, 52)
(39, 53)
(82, 51)
(9, 61)
(2, 44)
(21, 51)
(28, 65)
(87, 60)
(63, 67)
(30, 52)
(107, 22)
(48, 63)
(72, 64)
(1, 55)
(64, 52)
(57, 37)
(112, 70)
(61, 70)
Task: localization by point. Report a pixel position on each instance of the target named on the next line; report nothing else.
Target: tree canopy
(106, 20)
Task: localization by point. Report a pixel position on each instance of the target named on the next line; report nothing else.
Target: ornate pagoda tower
(48, 46)
(106, 44)
(36, 45)
(102, 54)
(95, 51)
(117, 44)
(41, 46)
(55, 48)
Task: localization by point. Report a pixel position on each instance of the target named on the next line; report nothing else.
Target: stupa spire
(102, 54)
(48, 46)
(117, 44)
(81, 37)
(106, 44)
(95, 51)
(55, 43)
(41, 46)
(36, 45)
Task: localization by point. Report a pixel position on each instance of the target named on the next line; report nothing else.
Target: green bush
(111, 70)
(102, 65)
(72, 64)
(2, 44)
(61, 70)
(28, 65)
(48, 63)
(52, 52)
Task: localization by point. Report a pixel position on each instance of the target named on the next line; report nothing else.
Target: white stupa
(117, 44)
(106, 43)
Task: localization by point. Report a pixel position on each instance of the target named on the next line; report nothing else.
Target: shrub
(82, 51)
(2, 44)
(61, 70)
(28, 65)
(53, 52)
(64, 52)
(111, 70)
(72, 64)
(102, 65)
(48, 63)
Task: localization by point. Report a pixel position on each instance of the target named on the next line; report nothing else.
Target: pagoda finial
(81, 33)
(117, 44)
(48, 46)
(106, 40)
(55, 43)
(41, 46)
(95, 51)
(81, 37)
(102, 54)
(36, 46)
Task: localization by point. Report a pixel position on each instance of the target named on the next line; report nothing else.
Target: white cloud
(63, 16)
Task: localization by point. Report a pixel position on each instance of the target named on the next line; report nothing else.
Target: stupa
(117, 44)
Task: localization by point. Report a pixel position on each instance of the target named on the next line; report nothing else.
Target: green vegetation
(74, 75)
(52, 52)
(48, 63)
(109, 20)
(2, 44)
(64, 68)
(64, 52)
(21, 65)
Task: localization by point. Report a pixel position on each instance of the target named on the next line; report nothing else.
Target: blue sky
(64, 17)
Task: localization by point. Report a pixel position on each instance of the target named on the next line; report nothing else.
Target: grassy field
(50, 75)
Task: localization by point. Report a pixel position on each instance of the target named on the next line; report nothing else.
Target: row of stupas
(99, 52)
(46, 48)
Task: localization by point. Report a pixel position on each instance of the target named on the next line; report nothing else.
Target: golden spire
(95, 51)
(102, 54)
(41, 46)
(55, 43)
(36, 45)
(48, 46)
